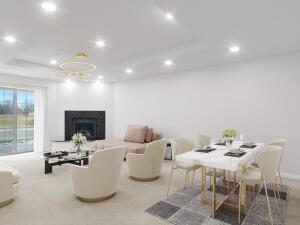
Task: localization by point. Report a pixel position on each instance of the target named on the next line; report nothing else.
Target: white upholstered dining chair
(147, 166)
(281, 143)
(180, 146)
(100, 180)
(268, 162)
(201, 139)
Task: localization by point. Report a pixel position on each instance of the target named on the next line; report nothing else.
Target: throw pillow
(136, 133)
(156, 136)
(149, 135)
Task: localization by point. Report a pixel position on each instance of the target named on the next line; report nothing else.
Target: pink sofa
(135, 141)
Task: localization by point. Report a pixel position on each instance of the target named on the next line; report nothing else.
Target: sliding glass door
(16, 121)
(6, 121)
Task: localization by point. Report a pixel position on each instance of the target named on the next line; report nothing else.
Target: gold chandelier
(77, 69)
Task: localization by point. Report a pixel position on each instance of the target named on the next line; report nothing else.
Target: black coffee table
(63, 157)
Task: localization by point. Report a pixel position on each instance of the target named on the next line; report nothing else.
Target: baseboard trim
(2, 204)
(96, 199)
(144, 179)
(291, 176)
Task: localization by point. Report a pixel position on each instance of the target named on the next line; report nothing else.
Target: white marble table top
(217, 159)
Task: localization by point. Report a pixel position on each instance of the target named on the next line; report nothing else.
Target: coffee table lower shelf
(78, 162)
(61, 158)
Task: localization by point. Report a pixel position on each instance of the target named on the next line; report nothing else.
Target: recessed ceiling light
(49, 7)
(234, 49)
(69, 83)
(168, 62)
(169, 16)
(53, 62)
(129, 71)
(100, 77)
(100, 43)
(10, 39)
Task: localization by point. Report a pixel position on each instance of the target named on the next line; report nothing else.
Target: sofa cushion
(136, 133)
(15, 173)
(130, 146)
(148, 137)
(156, 136)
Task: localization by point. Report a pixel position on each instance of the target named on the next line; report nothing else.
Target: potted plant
(78, 140)
(229, 135)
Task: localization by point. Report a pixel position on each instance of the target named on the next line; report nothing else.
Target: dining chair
(281, 143)
(268, 161)
(204, 140)
(180, 146)
(201, 139)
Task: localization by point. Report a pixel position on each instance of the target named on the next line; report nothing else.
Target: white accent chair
(100, 180)
(9, 184)
(201, 139)
(180, 146)
(268, 161)
(147, 166)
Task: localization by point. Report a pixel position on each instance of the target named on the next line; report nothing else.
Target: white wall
(63, 96)
(84, 96)
(260, 99)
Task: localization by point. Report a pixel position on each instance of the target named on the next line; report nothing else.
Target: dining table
(219, 158)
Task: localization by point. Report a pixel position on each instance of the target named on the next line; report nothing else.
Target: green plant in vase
(229, 135)
(78, 140)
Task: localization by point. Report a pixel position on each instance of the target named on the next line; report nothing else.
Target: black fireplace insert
(91, 124)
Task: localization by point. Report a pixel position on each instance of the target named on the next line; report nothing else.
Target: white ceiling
(138, 35)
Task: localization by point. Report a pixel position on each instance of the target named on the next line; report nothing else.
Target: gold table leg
(234, 181)
(216, 204)
(210, 177)
(243, 190)
(214, 192)
(228, 181)
(203, 184)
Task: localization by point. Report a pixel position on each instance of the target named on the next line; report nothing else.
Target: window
(16, 121)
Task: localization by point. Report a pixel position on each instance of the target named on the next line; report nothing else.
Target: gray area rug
(178, 210)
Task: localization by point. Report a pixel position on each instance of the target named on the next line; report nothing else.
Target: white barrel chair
(9, 184)
(147, 166)
(100, 179)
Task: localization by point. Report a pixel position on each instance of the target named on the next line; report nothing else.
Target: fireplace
(87, 127)
(89, 123)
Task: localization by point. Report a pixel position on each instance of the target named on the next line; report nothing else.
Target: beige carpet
(48, 199)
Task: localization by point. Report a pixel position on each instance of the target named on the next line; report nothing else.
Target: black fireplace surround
(89, 123)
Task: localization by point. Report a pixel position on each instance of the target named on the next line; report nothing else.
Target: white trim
(39, 119)
(291, 176)
(19, 86)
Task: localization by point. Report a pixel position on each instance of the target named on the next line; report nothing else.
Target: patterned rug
(177, 210)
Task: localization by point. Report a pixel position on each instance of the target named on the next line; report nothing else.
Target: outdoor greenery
(16, 135)
(23, 121)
